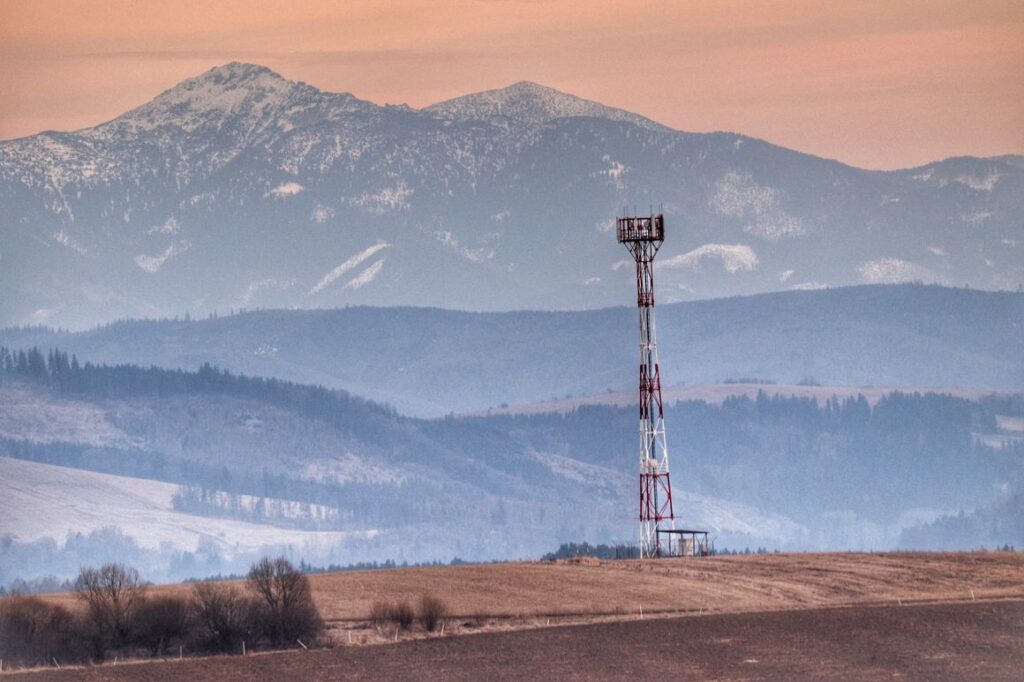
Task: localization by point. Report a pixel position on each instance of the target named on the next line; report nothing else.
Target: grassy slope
(720, 584)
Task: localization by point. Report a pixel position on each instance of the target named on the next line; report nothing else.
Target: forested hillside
(430, 362)
(771, 471)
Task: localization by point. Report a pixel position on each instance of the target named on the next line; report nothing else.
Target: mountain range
(241, 189)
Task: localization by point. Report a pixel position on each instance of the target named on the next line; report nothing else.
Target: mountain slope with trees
(431, 362)
(769, 471)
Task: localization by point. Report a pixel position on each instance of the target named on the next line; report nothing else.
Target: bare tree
(33, 630)
(286, 597)
(222, 614)
(159, 621)
(111, 593)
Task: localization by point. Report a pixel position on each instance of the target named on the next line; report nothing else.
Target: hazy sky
(875, 83)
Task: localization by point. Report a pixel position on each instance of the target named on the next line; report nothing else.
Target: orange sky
(875, 83)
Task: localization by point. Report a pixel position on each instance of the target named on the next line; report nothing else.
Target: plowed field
(968, 641)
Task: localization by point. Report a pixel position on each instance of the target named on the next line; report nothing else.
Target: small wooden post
(243, 647)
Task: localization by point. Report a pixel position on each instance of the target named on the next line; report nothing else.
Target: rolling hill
(341, 479)
(430, 362)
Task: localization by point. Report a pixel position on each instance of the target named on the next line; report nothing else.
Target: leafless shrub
(287, 608)
(432, 612)
(380, 614)
(223, 616)
(110, 593)
(160, 622)
(33, 631)
(401, 614)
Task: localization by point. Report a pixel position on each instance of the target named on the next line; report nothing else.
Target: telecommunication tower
(643, 236)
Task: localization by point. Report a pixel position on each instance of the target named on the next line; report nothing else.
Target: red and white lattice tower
(643, 236)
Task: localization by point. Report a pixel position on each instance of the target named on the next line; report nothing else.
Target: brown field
(722, 584)
(960, 606)
(673, 586)
(974, 640)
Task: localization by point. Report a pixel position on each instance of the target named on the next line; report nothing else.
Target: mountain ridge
(417, 358)
(239, 188)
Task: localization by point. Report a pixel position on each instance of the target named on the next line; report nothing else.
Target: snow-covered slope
(45, 501)
(240, 188)
(528, 105)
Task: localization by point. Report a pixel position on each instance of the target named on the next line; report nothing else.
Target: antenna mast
(643, 236)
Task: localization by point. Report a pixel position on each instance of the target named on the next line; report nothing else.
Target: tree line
(116, 614)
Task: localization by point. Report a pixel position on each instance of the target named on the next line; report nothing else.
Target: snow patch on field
(278, 283)
(154, 263)
(711, 513)
(31, 415)
(615, 171)
(582, 472)
(366, 276)
(64, 239)
(169, 226)
(976, 217)
(285, 189)
(350, 468)
(979, 184)
(321, 213)
(385, 199)
(892, 270)
(761, 207)
(721, 516)
(350, 264)
(733, 257)
(45, 501)
(478, 255)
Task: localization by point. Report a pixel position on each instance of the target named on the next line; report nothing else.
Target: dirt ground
(970, 640)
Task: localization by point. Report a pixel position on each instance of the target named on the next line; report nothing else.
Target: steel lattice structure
(643, 236)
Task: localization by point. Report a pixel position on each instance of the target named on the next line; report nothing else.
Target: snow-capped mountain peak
(241, 187)
(234, 89)
(529, 104)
